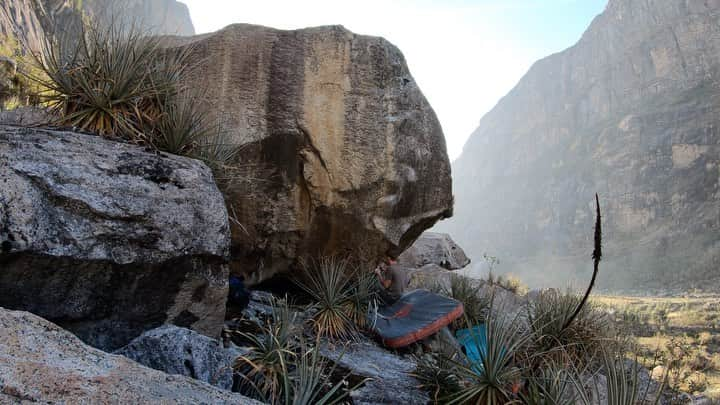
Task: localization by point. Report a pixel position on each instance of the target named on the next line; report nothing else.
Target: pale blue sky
(464, 54)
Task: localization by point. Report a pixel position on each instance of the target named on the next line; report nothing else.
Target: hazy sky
(465, 55)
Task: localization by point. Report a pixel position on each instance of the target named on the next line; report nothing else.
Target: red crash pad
(415, 316)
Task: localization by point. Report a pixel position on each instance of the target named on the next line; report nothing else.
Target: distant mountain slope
(632, 111)
(29, 20)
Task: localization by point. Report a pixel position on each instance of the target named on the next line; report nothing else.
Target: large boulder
(341, 151)
(40, 362)
(434, 248)
(176, 350)
(107, 239)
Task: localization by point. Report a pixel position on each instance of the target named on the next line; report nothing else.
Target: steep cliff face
(162, 17)
(632, 111)
(29, 21)
(341, 151)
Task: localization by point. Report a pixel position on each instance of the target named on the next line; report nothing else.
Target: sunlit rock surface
(341, 151)
(39, 362)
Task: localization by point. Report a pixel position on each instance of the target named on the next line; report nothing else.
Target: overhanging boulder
(342, 153)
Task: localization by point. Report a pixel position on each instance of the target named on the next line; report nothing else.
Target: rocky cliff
(341, 152)
(29, 21)
(632, 111)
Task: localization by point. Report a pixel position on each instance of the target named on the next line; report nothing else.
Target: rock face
(631, 112)
(107, 239)
(39, 362)
(182, 351)
(19, 21)
(341, 151)
(389, 373)
(161, 17)
(29, 21)
(434, 248)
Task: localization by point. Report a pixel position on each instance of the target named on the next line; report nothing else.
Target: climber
(393, 279)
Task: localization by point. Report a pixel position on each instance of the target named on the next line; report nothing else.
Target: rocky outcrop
(632, 112)
(19, 22)
(434, 248)
(107, 239)
(388, 374)
(39, 362)
(341, 151)
(182, 351)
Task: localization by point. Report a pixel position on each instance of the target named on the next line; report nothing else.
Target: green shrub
(548, 315)
(119, 83)
(331, 285)
(281, 368)
(437, 375)
(476, 303)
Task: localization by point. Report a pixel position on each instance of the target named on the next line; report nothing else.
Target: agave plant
(329, 282)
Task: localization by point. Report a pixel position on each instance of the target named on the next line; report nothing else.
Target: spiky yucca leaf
(579, 341)
(107, 80)
(265, 370)
(476, 303)
(329, 282)
(491, 382)
(437, 374)
(310, 379)
(551, 384)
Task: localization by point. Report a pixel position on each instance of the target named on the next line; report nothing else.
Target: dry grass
(683, 332)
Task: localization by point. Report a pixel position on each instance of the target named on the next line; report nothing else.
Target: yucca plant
(265, 370)
(330, 283)
(107, 80)
(476, 303)
(552, 384)
(548, 315)
(310, 380)
(494, 380)
(364, 298)
(622, 384)
(437, 374)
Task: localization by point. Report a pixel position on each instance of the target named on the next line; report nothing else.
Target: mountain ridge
(628, 112)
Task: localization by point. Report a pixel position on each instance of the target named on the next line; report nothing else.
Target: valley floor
(681, 333)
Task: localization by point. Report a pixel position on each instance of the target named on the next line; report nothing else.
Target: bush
(548, 315)
(332, 286)
(119, 83)
(476, 304)
(281, 368)
(437, 375)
